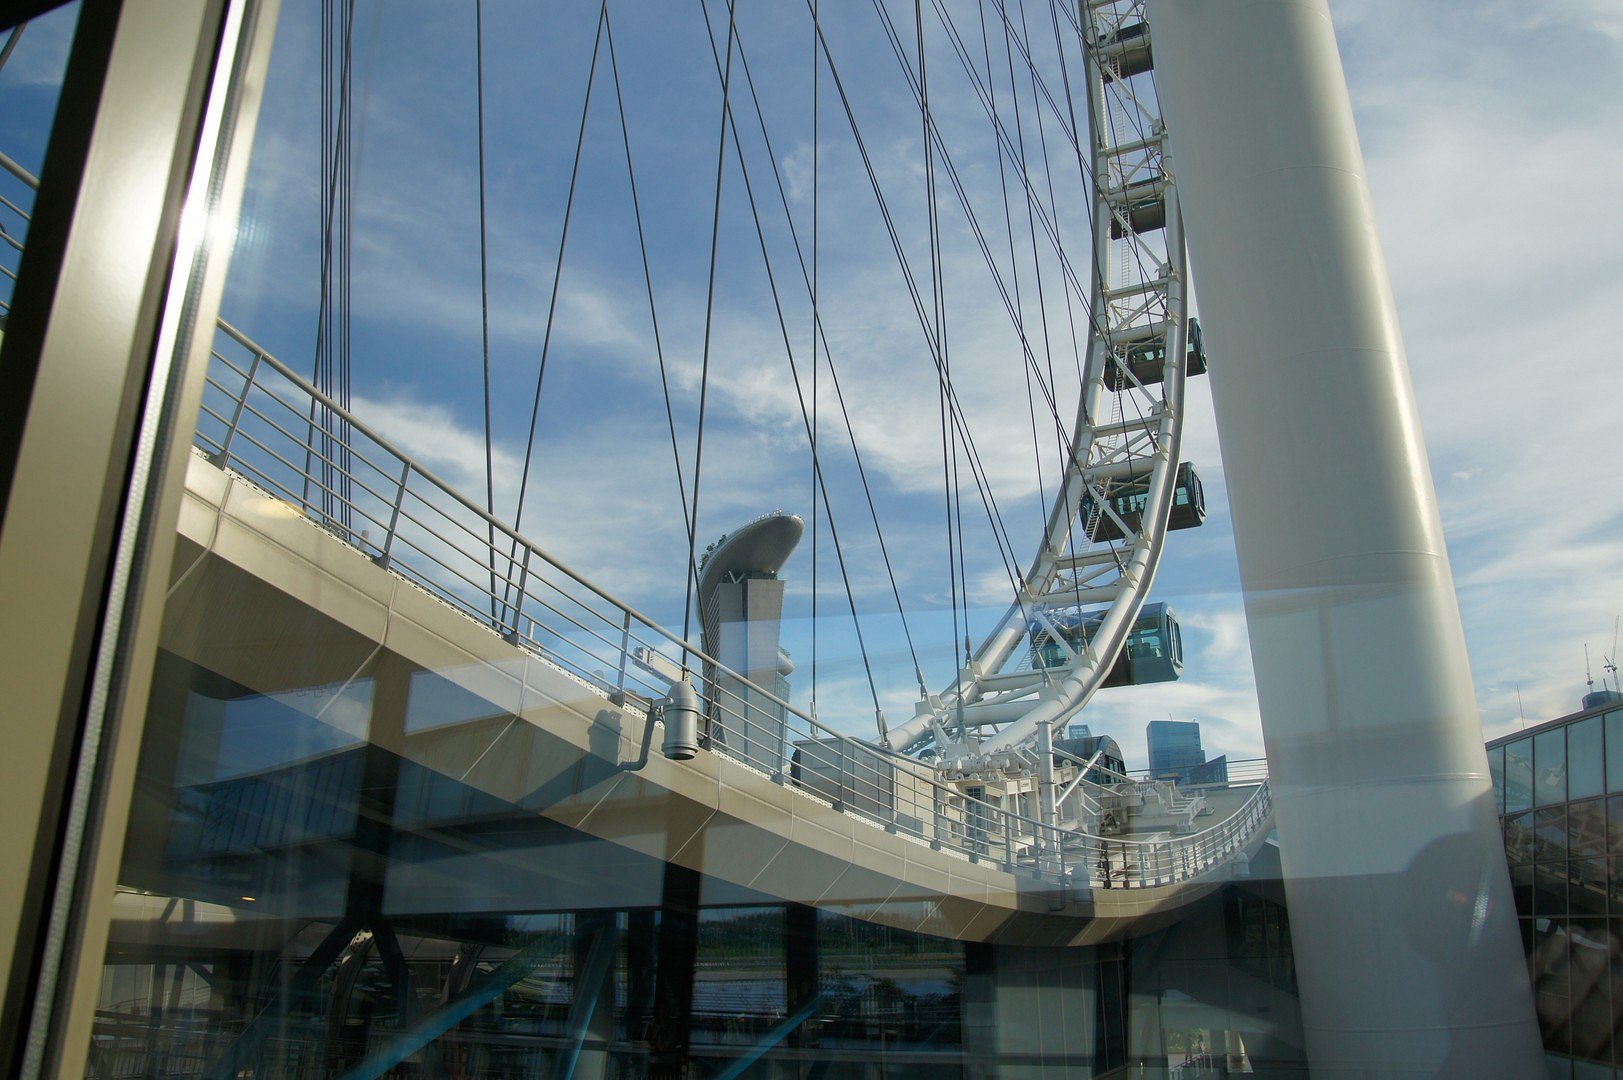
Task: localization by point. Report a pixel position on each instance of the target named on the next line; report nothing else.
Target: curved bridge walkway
(304, 507)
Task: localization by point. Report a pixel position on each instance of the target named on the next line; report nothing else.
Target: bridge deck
(556, 750)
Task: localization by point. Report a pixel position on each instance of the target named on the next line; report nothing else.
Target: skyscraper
(1174, 746)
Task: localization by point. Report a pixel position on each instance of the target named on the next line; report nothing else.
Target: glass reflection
(1550, 767)
(1518, 776)
(368, 876)
(1586, 762)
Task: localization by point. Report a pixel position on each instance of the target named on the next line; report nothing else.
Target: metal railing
(1240, 772)
(1127, 863)
(15, 219)
(263, 421)
(267, 424)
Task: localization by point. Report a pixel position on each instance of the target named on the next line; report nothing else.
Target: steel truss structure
(1127, 431)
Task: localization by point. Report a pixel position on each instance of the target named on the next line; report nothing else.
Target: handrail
(488, 571)
(262, 359)
(10, 165)
(356, 423)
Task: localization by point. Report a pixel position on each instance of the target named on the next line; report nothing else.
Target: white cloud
(1476, 130)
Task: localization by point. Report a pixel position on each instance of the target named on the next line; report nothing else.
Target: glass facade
(366, 836)
(1566, 868)
(382, 720)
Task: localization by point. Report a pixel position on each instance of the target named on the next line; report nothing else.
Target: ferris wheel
(1080, 604)
(1066, 633)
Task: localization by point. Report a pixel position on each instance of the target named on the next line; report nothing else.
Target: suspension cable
(336, 47)
(800, 397)
(11, 42)
(943, 374)
(1014, 272)
(557, 276)
(484, 291)
(833, 369)
(709, 321)
(648, 283)
(816, 317)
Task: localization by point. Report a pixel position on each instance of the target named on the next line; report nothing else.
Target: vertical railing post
(518, 596)
(1008, 841)
(236, 412)
(625, 656)
(382, 558)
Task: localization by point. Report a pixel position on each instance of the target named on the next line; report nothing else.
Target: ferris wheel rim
(1047, 695)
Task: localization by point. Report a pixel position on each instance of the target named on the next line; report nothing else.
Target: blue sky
(1493, 133)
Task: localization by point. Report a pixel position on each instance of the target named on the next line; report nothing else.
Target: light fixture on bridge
(681, 710)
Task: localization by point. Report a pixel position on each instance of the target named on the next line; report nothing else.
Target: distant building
(1176, 753)
(1079, 731)
(1215, 771)
(1558, 788)
(1174, 745)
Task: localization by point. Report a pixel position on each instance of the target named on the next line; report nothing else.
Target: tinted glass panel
(1518, 775)
(1550, 890)
(1550, 834)
(391, 818)
(1519, 839)
(1614, 750)
(1614, 825)
(1496, 771)
(1592, 947)
(1550, 767)
(1521, 885)
(1586, 829)
(1586, 886)
(1586, 766)
(1549, 961)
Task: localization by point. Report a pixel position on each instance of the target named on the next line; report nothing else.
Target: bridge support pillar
(1400, 903)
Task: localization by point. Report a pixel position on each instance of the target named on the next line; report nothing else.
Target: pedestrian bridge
(509, 720)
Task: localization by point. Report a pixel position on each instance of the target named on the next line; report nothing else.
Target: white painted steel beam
(1400, 904)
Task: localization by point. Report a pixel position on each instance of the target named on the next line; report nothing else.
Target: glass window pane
(1586, 886)
(1519, 839)
(373, 817)
(1614, 750)
(1590, 958)
(1585, 763)
(1518, 776)
(1614, 825)
(1549, 963)
(1550, 835)
(1521, 885)
(1550, 767)
(1586, 829)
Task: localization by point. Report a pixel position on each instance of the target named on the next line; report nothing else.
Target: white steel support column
(1405, 935)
